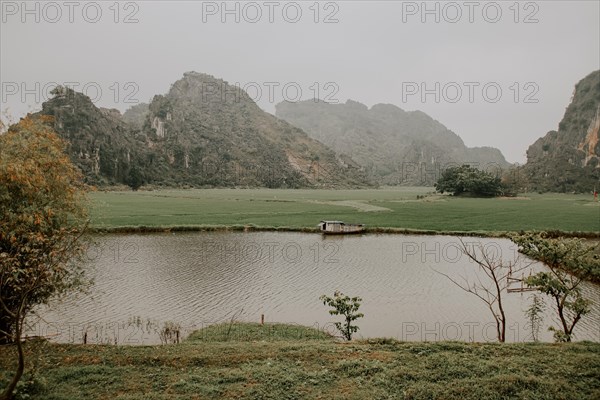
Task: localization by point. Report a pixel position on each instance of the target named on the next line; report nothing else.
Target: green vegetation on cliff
(569, 159)
(202, 133)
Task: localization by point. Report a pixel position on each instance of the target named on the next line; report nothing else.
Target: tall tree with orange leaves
(43, 216)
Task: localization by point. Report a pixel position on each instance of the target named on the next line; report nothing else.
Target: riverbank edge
(368, 230)
(276, 360)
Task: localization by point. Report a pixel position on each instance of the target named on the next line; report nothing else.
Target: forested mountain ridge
(207, 133)
(203, 132)
(393, 145)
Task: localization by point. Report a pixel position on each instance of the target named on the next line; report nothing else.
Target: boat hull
(343, 233)
(340, 228)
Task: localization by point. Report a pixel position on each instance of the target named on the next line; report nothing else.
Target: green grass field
(384, 208)
(291, 362)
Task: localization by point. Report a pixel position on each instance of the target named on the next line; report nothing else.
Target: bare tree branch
(490, 282)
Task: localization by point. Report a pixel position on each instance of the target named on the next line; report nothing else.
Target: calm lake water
(198, 279)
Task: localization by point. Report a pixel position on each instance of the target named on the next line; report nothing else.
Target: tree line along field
(414, 208)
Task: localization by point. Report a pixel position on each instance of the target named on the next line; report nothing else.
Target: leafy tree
(136, 178)
(469, 180)
(107, 162)
(513, 181)
(346, 306)
(450, 181)
(43, 217)
(561, 255)
(123, 169)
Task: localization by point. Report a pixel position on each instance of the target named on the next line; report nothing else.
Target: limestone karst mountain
(568, 160)
(393, 145)
(100, 142)
(203, 132)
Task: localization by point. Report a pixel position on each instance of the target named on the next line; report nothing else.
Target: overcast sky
(496, 73)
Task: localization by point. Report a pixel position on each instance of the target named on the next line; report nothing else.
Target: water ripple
(201, 278)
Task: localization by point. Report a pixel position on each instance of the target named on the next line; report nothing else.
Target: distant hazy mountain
(569, 159)
(136, 115)
(393, 145)
(203, 132)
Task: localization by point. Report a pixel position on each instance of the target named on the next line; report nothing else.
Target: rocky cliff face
(215, 134)
(100, 143)
(393, 145)
(204, 132)
(569, 159)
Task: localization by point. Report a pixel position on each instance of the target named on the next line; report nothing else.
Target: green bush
(469, 180)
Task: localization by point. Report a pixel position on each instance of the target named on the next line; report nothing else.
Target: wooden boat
(340, 228)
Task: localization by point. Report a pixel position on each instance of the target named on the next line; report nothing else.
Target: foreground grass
(290, 362)
(382, 208)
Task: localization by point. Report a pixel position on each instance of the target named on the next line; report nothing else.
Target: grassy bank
(290, 362)
(382, 210)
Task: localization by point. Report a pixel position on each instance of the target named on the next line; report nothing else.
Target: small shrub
(535, 315)
(170, 333)
(346, 306)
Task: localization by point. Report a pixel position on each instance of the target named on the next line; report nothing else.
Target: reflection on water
(197, 279)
